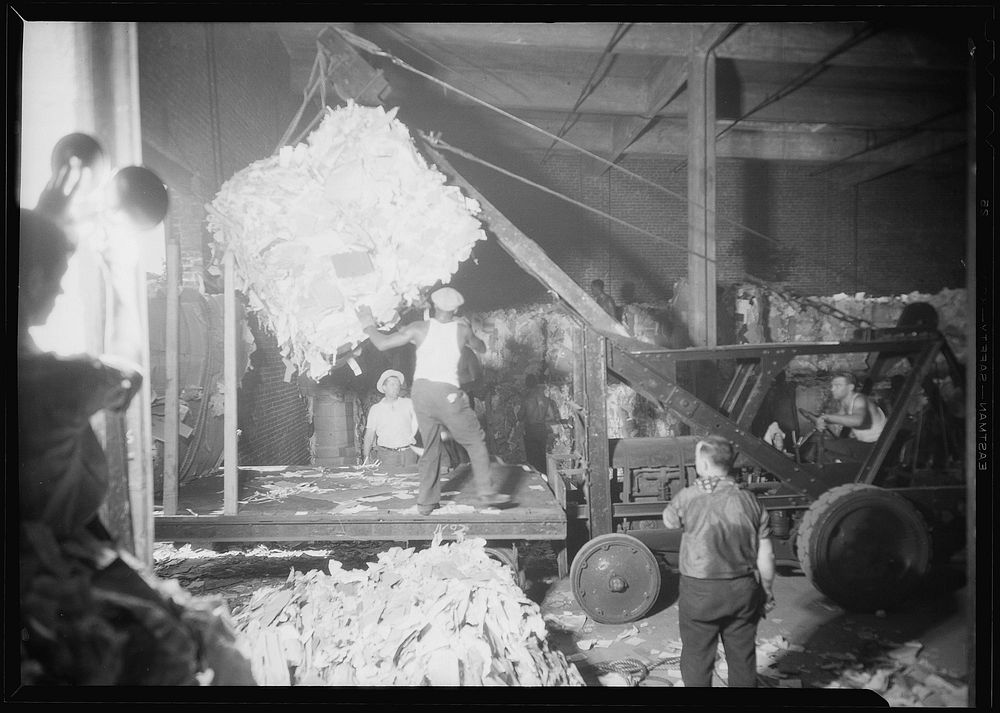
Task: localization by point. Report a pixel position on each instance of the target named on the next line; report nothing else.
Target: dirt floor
(914, 656)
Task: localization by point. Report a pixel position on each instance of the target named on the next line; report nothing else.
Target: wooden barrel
(334, 429)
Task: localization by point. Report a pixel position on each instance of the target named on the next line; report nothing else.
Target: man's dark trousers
(708, 609)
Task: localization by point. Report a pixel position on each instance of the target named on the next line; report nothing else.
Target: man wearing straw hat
(392, 426)
(437, 398)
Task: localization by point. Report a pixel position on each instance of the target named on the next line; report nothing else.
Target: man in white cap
(392, 426)
(437, 398)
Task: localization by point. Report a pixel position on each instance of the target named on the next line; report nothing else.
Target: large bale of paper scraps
(352, 216)
(446, 615)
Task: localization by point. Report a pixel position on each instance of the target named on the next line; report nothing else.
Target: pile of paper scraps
(352, 216)
(445, 615)
(892, 669)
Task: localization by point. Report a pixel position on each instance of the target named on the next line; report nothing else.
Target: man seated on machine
(855, 411)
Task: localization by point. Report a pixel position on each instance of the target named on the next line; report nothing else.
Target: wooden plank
(598, 485)
(669, 79)
(555, 92)
(808, 43)
(177, 529)
(660, 90)
(802, 42)
(113, 73)
(117, 508)
(834, 106)
(669, 137)
(171, 415)
(531, 258)
(876, 162)
(230, 473)
(641, 38)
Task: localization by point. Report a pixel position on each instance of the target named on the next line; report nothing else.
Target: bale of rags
(352, 216)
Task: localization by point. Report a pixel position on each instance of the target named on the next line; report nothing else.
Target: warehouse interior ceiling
(863, 98)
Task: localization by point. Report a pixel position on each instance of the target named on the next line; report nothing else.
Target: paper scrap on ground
(444, 615)
(354, 509)
(445, 509)
(631, 631)
(567, 621)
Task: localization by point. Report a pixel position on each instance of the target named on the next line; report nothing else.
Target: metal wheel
(508, 556)
(864, 547)
(615, 578)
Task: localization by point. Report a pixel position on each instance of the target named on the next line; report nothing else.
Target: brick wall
(273, 416)
(895, 234)
(196, 134)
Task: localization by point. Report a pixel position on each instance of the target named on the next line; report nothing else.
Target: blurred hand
(769, 605)
(130, 382)
(59, 192)
(365, 316)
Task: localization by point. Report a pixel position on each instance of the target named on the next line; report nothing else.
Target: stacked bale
(352, 216)
(769, 317)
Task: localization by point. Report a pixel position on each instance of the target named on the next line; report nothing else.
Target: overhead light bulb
(138, 195)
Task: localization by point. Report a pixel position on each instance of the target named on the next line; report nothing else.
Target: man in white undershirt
(855, 411)
(437, 398)
(391, 428)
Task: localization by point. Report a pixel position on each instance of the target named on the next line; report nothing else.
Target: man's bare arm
(383, 342)
(407, 334)
(472, 341)
(857, 418)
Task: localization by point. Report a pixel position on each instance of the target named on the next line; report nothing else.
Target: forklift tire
(864, 547)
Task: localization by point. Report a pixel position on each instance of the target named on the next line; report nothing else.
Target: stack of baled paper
(447, 615)
(352, 216)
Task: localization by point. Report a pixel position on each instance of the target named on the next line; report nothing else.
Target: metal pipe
(171, 414)
(230, 472)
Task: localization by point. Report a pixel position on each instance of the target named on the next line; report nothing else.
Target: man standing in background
(606, 301)
(726, 565)
(537, 413)
(392, 425)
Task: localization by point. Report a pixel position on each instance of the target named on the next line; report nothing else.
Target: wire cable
(374, 49)
(590, 85)
(438, 143)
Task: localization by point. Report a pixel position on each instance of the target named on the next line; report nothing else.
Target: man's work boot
(495, 500)
(427, 509)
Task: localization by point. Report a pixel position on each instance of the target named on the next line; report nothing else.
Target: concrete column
(701, 198)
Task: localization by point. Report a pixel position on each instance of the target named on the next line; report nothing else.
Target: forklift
(866, 534)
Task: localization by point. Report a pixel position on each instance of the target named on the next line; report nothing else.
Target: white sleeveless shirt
(872, 433)
(438, 354)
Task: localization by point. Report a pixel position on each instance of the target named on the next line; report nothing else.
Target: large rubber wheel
(864, 547)
(615, 578)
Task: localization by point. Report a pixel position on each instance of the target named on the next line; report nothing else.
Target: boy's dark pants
(708, 609)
